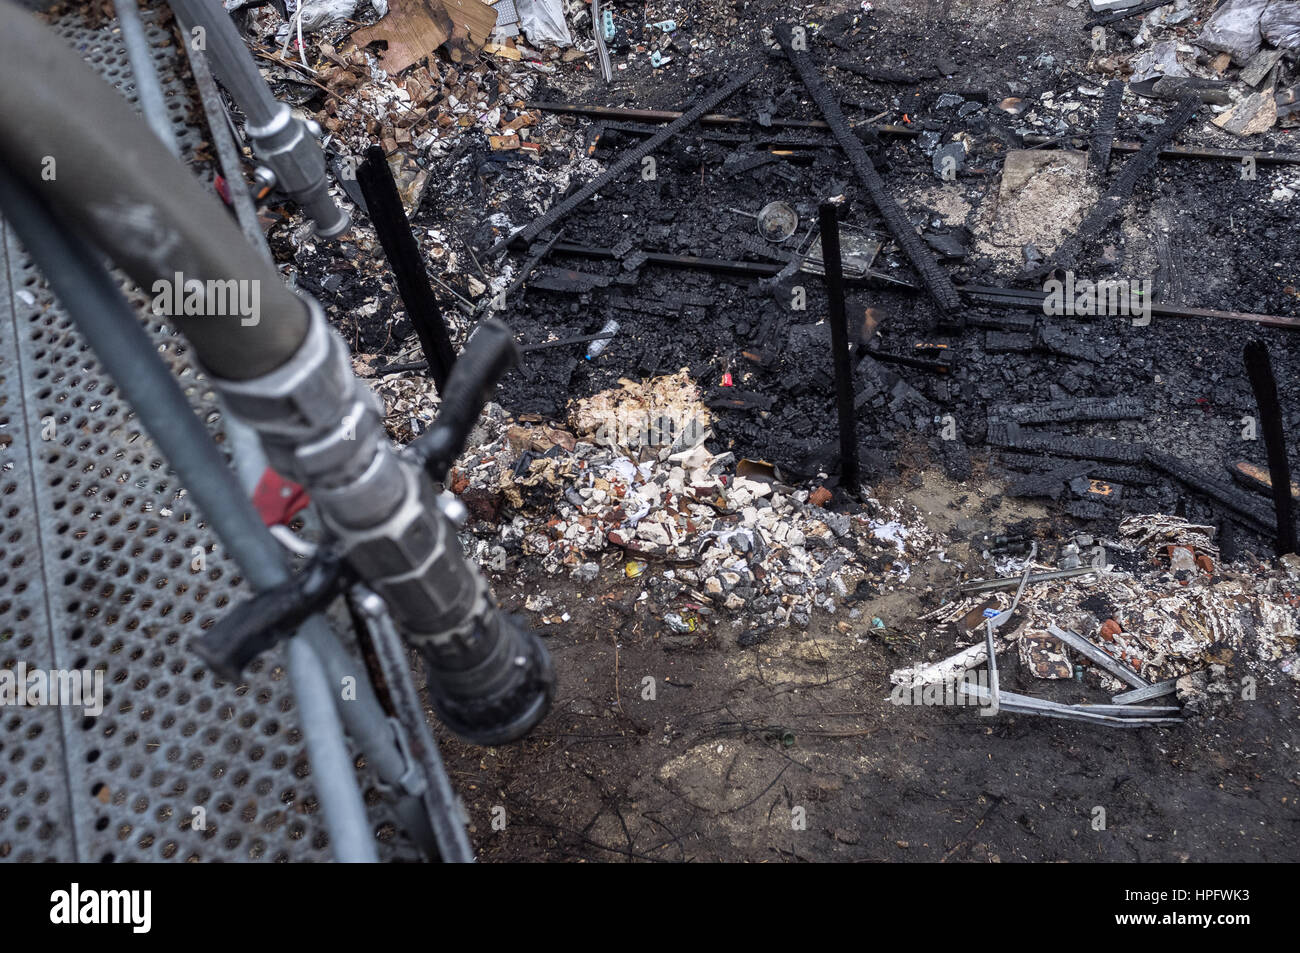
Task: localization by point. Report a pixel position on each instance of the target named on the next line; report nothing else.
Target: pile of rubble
(434, 93)
(634, 477)
(1234, 61)
(1165, 614)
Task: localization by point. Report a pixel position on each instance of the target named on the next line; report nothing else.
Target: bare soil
(790, 750)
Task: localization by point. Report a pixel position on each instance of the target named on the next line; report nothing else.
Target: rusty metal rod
(909, 132)
(1025, 299)
(1011, 299)
(666, 115)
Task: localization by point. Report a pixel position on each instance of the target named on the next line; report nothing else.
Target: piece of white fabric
(543, 22)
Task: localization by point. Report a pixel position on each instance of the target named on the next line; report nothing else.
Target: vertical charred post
(830, 234)
(1260, 371)
(403, 253)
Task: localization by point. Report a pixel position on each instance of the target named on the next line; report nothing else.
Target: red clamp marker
(278, 499)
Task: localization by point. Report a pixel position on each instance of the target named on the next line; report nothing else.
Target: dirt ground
(791, 750)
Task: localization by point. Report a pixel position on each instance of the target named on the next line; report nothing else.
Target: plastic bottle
(595, 348)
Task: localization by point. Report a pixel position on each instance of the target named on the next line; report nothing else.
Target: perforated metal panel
(101, 47)
(98, 572)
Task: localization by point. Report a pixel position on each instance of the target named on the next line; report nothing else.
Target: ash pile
(633, 488)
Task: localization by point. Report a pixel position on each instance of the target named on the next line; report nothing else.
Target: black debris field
(669, 250)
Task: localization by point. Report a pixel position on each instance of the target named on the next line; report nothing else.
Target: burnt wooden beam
(886, 74)
(1118, 15)
(1112, 202)
(1259, 368)
(830, 233)
(1010, 436)
(1200, 481)
(384, 206)
(1257, 478)
(1071, 411)
(932, 274)
(537, 254)
(627, 160)
(1103, 133)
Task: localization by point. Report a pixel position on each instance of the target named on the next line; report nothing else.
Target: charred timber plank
(1125, 476)
(668, 306)
(1259, 368)
(1070, 411)
(626, 161)
(1254, 477)
(1118, 15)
(1087, 510)
(830, 235)
(1103, 134)
(1170, 269)
(1009, 342)
(1141, 164)
(873, 379)
(1011, 437)
(1110, 205)
(752, 245)
(1112, 473)
(537, 254)
(1078, 345)
(936, 280)
(954, 457)
(1005, 323)
(742, 400)
(388, 217)
(738, 164)
(886, 74)
(1203, 483)
(1051, 483)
